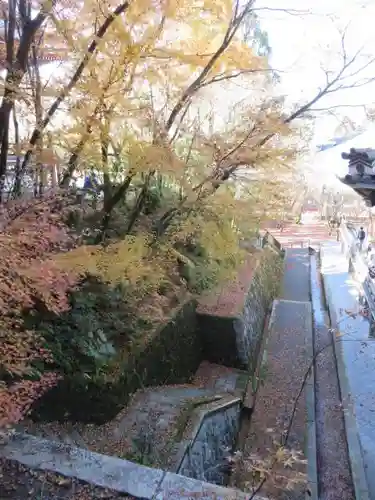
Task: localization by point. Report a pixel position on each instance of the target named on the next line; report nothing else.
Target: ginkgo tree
(134, 106)
(140, 58)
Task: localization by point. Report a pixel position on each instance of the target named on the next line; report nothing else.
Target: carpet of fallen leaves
(229, 299)
(18, 482)
(208, 373)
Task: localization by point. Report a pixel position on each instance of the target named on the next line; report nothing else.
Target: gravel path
(335, 481)
(286, 365)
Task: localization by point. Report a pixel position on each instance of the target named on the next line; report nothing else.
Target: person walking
(338, 224)
(361, 238)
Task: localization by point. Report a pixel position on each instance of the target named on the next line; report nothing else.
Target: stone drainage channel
(332, 457)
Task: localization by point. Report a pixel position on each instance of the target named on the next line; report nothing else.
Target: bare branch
(292, 12)
(358, 70)
(233, 26)
(178, 128)
(337, 106)
(231, 76)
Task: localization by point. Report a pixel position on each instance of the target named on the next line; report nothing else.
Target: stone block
(101, 470)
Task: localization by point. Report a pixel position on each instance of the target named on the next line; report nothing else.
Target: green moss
(186, 414)
(242, 381)
(172, 355)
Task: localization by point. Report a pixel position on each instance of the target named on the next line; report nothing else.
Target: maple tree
(136, 106)
(133, 120)
(31, 232)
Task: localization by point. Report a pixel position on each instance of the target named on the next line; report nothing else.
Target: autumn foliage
(32, 232)
(135, 104)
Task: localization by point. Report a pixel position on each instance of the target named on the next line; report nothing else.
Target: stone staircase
(160, 424)
(288, 345)
(188, 432)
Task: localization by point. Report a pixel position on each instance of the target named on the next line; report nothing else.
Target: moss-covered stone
(171, 355)
(235, 340)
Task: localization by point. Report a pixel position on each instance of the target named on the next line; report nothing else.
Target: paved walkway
(356, 352)
(297, 235)
(288, 355)
(332, 457)
(296, 281)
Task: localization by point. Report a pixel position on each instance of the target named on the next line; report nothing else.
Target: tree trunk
(120, 9)
(139, 203)
(39, 168)
(72, 164)
(15, 73)
(16, 188)
(104, 144)
(110, 205)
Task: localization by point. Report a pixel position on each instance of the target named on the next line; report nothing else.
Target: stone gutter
(199, 415)
(111, 472)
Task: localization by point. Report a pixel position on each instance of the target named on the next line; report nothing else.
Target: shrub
(31, 233)
(208, 250)
(83, 339)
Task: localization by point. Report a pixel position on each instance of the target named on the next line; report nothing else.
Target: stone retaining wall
(171, 355)
(234, 340)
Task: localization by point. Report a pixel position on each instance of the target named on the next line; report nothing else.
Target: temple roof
(366, 153)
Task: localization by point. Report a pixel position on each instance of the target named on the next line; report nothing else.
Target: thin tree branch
(233, 27)
(120, 9)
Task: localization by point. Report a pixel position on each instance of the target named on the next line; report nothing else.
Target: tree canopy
(146, 98)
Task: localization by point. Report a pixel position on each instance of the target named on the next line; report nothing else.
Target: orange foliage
(31, 232)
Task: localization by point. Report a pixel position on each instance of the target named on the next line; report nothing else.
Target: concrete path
(355, 352)
(332, 457)
(303, 235)
(289, 350)
(296, 280)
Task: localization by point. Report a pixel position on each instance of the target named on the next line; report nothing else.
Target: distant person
(361, 238)
(331, 225)
(338, 224)
(91, 187)
(90, 182)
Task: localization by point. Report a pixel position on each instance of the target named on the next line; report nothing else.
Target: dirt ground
(18, 482)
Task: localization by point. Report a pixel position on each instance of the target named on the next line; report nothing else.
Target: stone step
(182, 428)
(150, 429)
(188, 428)
(221, 379)
(67, 433)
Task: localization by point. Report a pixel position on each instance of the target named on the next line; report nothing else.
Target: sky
(304, 45)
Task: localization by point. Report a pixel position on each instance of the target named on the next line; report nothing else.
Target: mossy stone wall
(235, 340)
(171, 356)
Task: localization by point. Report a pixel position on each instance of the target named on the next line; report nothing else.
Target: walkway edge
(311, 444)
(352, 438)
(311, 450)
